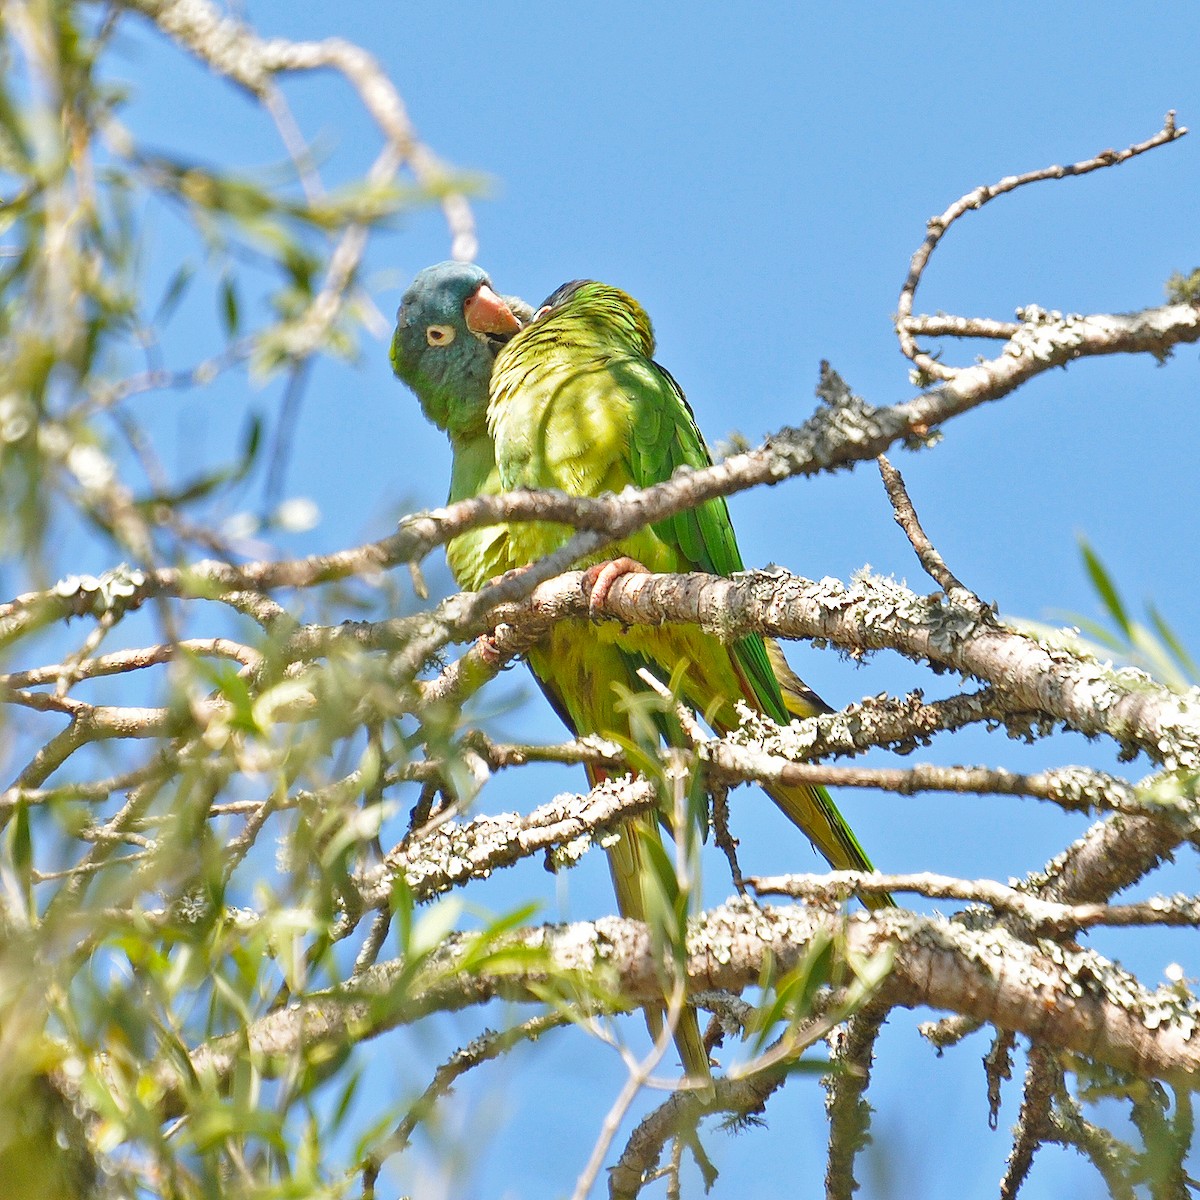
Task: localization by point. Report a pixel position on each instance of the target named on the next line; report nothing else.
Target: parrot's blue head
(448, 329)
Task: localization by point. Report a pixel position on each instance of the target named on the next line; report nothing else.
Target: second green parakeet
(579, 404)
(450, 327)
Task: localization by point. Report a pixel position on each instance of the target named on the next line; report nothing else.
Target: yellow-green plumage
(447, 360)
(578, 404)
(585, 668)
(480, 554)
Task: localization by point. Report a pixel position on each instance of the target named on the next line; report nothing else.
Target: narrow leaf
(1105, 588)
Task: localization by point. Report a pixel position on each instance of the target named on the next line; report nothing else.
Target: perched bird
(578, 404)
(448, 330)
(449, 327)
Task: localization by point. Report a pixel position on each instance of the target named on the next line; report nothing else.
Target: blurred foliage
(201, 783)
(1184, 289)
(1153, 647)
(174, 879)
(143, 917)
(83, 333)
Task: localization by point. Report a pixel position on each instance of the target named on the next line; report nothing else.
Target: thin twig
(943, 325)
(1042, 916)
(744, 1092)
(236, 51)
(638, 1077)
(723, 835)
(977, 198)
(906, 517)
(488, 1046)
(368, 954)
(122, 661)
(1042, 1080)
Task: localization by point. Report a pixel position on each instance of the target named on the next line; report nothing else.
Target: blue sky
(758, 176)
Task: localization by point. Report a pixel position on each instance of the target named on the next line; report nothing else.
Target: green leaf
(665, 915)
(794, 992)
(251, 444)
(230, 315)
(403, 906)
(434, 925)
(486, 950)
(1100, 634)
(175, 289)
(661, 868)
(1105, 588)
(1176, 647)
(233, 688)
(22, 853)
(214, 1125)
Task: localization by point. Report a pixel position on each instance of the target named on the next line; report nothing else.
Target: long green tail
(812, 808)
(626, 862)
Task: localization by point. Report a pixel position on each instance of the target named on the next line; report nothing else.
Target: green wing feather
(578, 403)
(664, 437)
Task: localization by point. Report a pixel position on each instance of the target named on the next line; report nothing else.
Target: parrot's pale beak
(485, 312)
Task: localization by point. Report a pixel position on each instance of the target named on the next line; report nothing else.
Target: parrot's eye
(439, 335)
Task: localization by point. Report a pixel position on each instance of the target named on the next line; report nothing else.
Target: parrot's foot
(489, 651)
(598, 580)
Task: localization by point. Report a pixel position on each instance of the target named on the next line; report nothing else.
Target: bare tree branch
(1065, 997)
(874, 613)
(1042, 917)
(845, 431)
(977, 198)
(853, 1046)
(906, 517)
(1042, 1080)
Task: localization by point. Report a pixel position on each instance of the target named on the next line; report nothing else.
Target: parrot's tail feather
(627, 865)
(812, 810)
(798, 698)
(690, 1043)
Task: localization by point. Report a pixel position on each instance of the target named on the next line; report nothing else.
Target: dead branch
(977, 198)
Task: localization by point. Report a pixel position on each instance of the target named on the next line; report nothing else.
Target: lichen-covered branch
(1062, 996)
(845, 430)
(1042, 1080)
(853, 1047)
(743, 1097)
(975, 199)
(1042, 917)
(452, 854)
(873, 613)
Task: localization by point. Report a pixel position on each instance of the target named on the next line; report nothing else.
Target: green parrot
(450, 326)
(448, 329)
(577, 403)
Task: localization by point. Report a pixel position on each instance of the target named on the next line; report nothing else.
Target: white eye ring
(440, 335)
